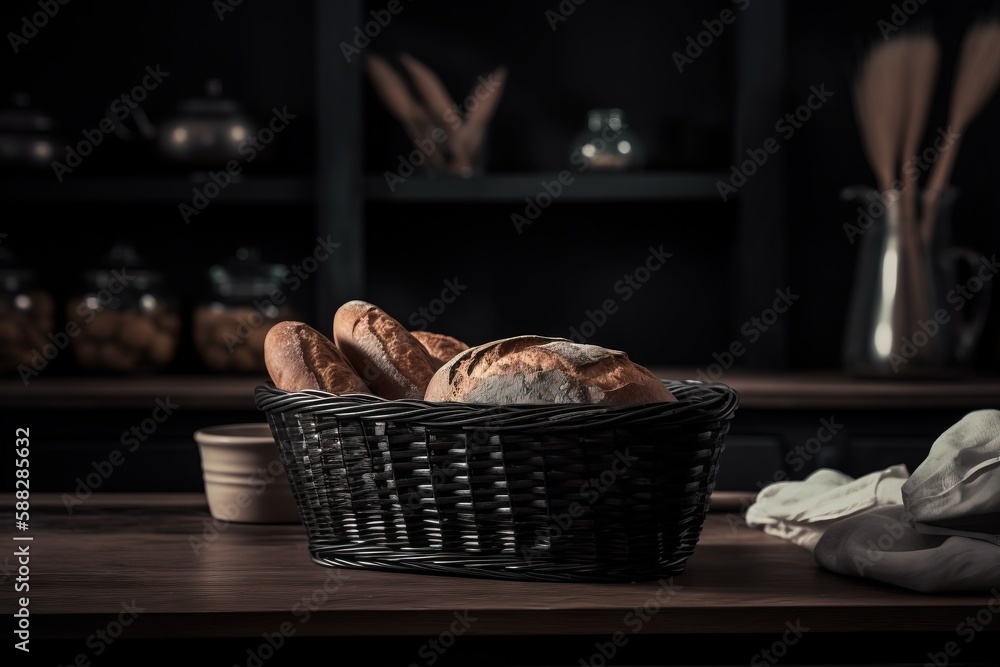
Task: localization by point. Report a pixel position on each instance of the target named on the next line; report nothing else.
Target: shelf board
(196, 392)
(632, 186)
(758, 391)
(167, 189)
(803, 391)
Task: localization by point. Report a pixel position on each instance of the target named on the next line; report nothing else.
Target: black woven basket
(562, 492)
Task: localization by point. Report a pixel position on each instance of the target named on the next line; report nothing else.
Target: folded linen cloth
(800, 511)
(881, 544)
(956, 490)
(935, 531)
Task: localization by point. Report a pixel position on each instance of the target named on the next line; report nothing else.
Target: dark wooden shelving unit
(758, 391)
(158, 189)
(503, 188)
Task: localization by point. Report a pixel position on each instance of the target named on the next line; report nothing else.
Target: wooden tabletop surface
(194, 577)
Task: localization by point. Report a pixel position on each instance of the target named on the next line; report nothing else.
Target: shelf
(632, 186)
(758, 391)
(156, 189)
(803, 391)
(207, 393)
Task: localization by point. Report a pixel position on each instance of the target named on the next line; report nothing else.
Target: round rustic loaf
(388, 358)
(298, 357)
(538, 369)
(441, 348)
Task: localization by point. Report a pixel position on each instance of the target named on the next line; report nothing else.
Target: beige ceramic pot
(245, 480)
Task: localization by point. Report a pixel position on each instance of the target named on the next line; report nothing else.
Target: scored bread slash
(539, 369)
(388, 358)
(440, 347)
(299, 357)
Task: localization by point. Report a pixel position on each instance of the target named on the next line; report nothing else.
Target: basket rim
(697, 402)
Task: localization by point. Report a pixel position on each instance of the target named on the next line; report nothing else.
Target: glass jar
(246, 300)
(26, 318)
(128, 320)
(607, 143)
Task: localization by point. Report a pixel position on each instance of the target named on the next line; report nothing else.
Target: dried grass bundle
(976, 81)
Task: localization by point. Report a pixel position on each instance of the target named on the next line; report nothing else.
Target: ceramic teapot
(203, 131)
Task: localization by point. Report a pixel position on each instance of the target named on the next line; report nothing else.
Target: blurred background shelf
(157, 189)
(191, 392)
(641, 186)
(758, 391)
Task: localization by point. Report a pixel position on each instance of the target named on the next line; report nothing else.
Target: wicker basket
(562, 492)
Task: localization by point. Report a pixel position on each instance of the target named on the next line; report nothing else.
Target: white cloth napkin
(800, 511)
(935, 531)
(956, 490)
(881, 544)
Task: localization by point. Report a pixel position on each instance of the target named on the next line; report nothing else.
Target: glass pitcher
(908, 314)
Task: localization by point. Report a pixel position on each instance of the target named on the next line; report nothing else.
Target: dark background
(543, 281)
(728, 257)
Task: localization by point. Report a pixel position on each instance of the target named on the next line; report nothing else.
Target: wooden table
(197, 580)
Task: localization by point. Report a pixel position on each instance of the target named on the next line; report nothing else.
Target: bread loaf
(441, 348)
(299, 357)
(537, 369)
(388, 358)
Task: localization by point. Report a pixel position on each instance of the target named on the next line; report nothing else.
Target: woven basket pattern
(531, 492)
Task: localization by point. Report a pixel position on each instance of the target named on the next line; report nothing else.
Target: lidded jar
(607, 143)
(247, 297)
(26, 318)
(128, 319)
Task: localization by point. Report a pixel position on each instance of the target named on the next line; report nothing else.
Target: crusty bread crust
(391, 362)
(538, 369)
(298, 357)
(441, 348)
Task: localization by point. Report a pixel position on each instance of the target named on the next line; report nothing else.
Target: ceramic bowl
(245, 480)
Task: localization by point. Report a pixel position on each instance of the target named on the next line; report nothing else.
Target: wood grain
(250, 579)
